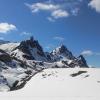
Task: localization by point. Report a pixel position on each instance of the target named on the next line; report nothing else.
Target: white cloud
(5, 27)
(51, 19)
(90, 53)
(95, 4)
(59, 14)
(42, 6)
(87, 53)
(59, 38)
(56, 10)
(25, 33)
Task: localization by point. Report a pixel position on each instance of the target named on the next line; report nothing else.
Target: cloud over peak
(87, 53)
(6, 27)
(90, 53)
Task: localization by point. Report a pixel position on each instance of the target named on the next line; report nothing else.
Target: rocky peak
(63, 51)
(31, 49)
(60, 49)
(82, 62)
(81, 57)
(30, 43)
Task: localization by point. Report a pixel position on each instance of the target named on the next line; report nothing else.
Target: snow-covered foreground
(60, 84)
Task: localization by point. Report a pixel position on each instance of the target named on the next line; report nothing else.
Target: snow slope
(60, 84)
(9, 46)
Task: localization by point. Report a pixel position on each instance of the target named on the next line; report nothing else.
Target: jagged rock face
(79, 62)
(31, 50)
(62, 52)
(26, 45)
(4, 56)
(82, 62)
(48, 56)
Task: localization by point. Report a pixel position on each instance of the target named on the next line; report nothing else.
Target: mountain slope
(14, 73)
(58, 84)
(8, 47)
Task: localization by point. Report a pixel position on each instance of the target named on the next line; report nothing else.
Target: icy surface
(60, 84)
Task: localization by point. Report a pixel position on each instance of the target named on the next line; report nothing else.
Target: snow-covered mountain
(14, 73)
(62, 53)
(29, 50)
(65, 56)
(20, 61)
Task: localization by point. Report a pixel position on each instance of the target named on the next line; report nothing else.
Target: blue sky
(75, 23)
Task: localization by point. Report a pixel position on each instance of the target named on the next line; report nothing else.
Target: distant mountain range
(20, 61)
(3, 42)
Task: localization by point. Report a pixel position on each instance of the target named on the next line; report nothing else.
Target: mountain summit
(20, 61)
(30, 49)
(62, 52)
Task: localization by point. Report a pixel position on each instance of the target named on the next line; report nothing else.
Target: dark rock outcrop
(27, 48)
(82, 62)
(4, 56)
